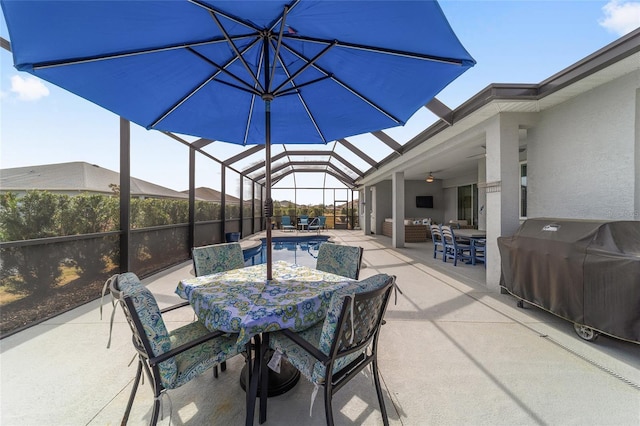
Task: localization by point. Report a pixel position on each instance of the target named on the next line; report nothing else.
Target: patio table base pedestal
(279, 383)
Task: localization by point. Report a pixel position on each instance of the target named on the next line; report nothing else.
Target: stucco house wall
(384, 203)
(414, 188)
(582, 155)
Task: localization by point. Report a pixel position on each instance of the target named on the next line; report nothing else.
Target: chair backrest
(318, 222)
(304, 219)
(150, 335)
(340, 260)
(436, 235)
(286, 221)
(217, 258)
(344, 333)
(447, 235)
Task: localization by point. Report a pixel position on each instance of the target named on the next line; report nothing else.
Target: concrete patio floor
(452, 353)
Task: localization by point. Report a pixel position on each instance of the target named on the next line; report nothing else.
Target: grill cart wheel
(586, 333)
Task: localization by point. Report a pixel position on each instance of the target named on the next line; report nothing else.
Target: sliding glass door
(468, 204)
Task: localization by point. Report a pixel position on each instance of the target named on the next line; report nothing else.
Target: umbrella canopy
(245, 72)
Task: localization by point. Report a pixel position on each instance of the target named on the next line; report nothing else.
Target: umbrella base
(279, 383)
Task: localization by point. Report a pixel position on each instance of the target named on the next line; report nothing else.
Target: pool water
(298, 250)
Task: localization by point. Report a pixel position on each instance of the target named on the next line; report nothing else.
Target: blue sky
(512, 41)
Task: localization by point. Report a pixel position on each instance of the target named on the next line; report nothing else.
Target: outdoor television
(424, 201)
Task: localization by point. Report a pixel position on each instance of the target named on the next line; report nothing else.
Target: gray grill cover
(585, 271)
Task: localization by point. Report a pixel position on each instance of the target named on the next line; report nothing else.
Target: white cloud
(621, 17)
(28, 89)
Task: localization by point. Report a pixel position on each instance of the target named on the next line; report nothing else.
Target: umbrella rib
(251, 108)
(277, 52)
(309, 63)
(296, 88)
(382, 50)
(235, 49)
(88, 59)
(205, 82)
(302, 101)
(224, 70)
(226, 15)
(249, 116)
(193, 92)
(180, 102)
(346, 86)
(280, 19)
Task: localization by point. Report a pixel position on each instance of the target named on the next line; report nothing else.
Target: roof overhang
(607, 64)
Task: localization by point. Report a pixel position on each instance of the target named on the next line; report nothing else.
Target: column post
(501, 189)
(397, 181)
(366, 210)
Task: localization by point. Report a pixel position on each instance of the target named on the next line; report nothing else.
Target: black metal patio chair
(333, 352)
(169, 358)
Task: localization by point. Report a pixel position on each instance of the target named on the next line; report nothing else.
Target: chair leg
(376, 379)
(328, 409)
(223, 367)
(136, 382)
(156, 411)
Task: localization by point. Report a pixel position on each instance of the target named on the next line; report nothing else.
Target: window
(523, 190)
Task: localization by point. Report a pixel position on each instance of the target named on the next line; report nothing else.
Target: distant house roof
(210, 194)
(77, 177)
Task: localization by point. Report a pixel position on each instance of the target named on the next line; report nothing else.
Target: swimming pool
(301, 250)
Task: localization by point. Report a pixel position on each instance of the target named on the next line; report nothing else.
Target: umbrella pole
(268, 204)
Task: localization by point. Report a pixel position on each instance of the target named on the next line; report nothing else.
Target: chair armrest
(304, 344)
(185, 347)
(173, 307)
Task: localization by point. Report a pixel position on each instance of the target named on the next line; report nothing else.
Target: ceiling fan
(430, 178)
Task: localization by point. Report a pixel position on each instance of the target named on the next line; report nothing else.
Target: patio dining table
(470, 233)
(243, 301)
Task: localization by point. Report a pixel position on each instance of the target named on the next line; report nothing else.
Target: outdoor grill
(585, 271)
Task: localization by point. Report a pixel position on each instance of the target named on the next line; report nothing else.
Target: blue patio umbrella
(245, 72)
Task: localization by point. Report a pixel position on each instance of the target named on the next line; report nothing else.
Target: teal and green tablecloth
(242, 301)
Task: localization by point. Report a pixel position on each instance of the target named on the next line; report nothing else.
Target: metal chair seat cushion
(198, 359)
(308, 365)
(323, 335)
(339, 259)
(217, 258)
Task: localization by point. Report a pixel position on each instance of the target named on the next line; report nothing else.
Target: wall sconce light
(430, 178)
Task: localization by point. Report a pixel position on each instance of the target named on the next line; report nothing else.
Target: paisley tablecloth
(242, 301)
